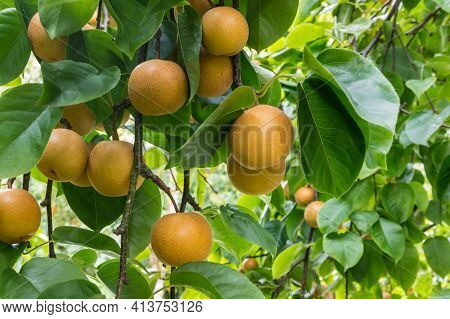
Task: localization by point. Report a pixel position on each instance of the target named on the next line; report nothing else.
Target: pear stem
(47, 203)
(186, 186)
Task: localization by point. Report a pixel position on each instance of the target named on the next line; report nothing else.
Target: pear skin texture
(216, 75)
(311, 213)
(83, 181)
(20, 216)
(250, 264)
(181, 238)
(254, 182)
(225, 31)
(81, 118)
(304, 196)
(158, 87)
(261, 137)
(65, 156)
(47, 49)
(109, 168)
(201, 6)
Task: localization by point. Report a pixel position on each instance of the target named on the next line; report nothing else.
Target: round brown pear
(109, 168)
(216, 75)
(20, 216)
(83, 180)
(80, 117)
(305, 195)
(201, 6)
(254, 182)
(261, 137)
(225, 31)
(125, 118)
(65, 156)
(311, 213)
(47, 49)
(250, 264)
(181, 238)
(158, 87)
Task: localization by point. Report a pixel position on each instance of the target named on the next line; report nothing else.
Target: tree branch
(414, 30)
(99, 14)
(47, 203)
(26, 181)
(283, 279)
(306, 263)
(186, 192)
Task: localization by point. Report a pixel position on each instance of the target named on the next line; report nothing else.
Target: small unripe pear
(311, 213)
(305, 195)
(250, 264)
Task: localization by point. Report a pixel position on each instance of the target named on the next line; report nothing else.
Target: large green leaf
(146, 211)
(189, 44)
(138, 286)
(247, 227)
(347, 248)
(443, 181)
(364, 220)
(74, 289)
(85, 238)
(368, 95)
(200, 148)
(437, 252)
(63, 17)
(68, 82)
(9, 255)
(26, 9)
(269, 20)
(304, 33)
(405, 270)
(332, 214)
(224, 236)
(283, 262)
(370, 267)
(46, 272)
(389, 238)
(16, 286)
(14, 46)
(361, 195)
(25, 129)
(398, 201)
(93, 209)
(167, 41)
(421, 125)
(215, 280)
(137, 22)
(332, 144)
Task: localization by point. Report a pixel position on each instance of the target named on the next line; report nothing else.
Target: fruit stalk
(186, 192)
(306, 263)
(47, 203)
(99, 14)
(26, 181)
(237, 81)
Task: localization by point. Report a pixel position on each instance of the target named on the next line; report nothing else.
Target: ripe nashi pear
(216, 75)
(311, 213)
(83, 180)
(80, 117)
(305, 195)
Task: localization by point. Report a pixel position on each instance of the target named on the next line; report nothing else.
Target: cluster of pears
(259, 141)
(306, 197)
(20, 216)
(158, 87)
(105, 166)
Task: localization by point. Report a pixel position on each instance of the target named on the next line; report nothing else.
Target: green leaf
(269, 20)
(14, 46)
(437, 252)
(347, 249)
(332, 214)
(444, 4)
(9, 255)
(421, 196)
(357, 27)
(248, 73)
(68, 82)
(138, 286)
(215, 280)
(364, 220)
(370, 268)
(137, 22)
(398, 201)
(63, 17)
(167, 41)
(46, 272)
(361, 195)
(16, 286)
(26, 9)
(405, 270)
(389, 238)
(283, 262)
(85, 238)
(224, 236)
(189, 44)
(419, 87)
(333, 146)
(421, 125)
(304, 33)
(25, 129)
(146, 211)
(443, 181)
(247, 227)
(74, 289)
(202, 145)
(84, 258)
(176, 124)
(93, 209)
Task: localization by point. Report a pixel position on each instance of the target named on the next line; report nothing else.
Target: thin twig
(175, 181)
(158, 44)
(34, 248)
(47, 203)
(283, 279)
(99, 14)
(26, 181)
(414, 30)
(428, 227)
(207, 182)
(186, 190)
(306, 264)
